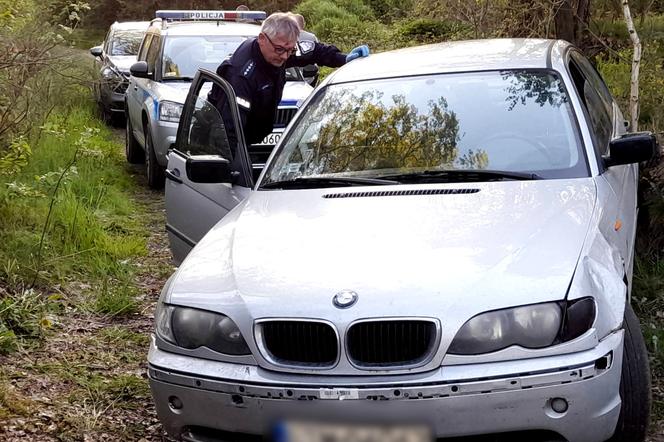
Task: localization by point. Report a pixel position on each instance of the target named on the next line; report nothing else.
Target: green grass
(116, 300)
(648, 297)
(68, 219)
(120, 336)
(78, 170)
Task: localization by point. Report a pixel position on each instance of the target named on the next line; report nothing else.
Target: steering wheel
(508, 139)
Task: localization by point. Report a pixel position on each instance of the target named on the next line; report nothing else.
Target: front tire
(155, 172)
(634, 384)
(133, 150)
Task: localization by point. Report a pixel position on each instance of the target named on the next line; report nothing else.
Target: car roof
(130, 26)
(457, 56)
(207, 28)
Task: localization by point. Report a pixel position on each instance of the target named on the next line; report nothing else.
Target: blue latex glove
(360, 51)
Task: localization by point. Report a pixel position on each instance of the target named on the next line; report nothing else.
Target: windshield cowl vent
(413, 192)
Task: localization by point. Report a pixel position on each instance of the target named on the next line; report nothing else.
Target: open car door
(208, 171)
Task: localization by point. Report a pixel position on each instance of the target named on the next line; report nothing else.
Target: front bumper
(453, 400)
(112, 100)
(163, 135)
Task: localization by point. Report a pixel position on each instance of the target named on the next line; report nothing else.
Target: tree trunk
(636, 63)
(571, 20)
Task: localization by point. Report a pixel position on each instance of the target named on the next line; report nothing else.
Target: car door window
(107, 41)
(153, 53)
(206, 133)
(142, 52)
(598, 103)
(209, 128)
(595, 80)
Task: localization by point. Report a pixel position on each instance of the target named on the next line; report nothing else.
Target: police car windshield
(509, 121)
(294, 74)
(184, 55)
(125, 42)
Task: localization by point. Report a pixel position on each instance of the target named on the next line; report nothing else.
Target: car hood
(175, 91)
(287, 253)
(123, 62)
(295, 91)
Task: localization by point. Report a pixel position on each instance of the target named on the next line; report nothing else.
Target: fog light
(175, 402)
(559, 405)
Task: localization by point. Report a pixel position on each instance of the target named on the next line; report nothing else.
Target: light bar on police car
(210, 15)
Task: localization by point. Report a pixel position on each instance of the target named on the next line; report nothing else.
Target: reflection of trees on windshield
(365, 133)
(543, 88)
(126, 43)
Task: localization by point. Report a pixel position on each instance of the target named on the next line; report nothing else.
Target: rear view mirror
(139, 69)
(208, 169)
(631, 148)
(96, 51)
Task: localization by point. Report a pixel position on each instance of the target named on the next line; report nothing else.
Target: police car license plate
(271, 139)
(318, 432)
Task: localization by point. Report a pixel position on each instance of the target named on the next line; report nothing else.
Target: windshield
(183, 56)
(510, 121)
(294, 74)
(126, 42)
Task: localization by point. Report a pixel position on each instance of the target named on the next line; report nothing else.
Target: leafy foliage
(427, 29)
(16, 156)
(24, 314)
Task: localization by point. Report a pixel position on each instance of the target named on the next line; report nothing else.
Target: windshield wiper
(461, 175)
(178, 79)
(309, 182)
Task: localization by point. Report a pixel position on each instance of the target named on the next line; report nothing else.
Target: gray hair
(281, 24)
(299, 19)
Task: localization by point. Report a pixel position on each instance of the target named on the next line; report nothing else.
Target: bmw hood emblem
(344, 299)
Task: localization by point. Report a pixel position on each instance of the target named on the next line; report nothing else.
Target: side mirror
(97, 51)
(208, 169)
(631, 148)
(310, 74)
(139, 69)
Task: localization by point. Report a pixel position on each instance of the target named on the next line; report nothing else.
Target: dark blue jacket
(258, 85)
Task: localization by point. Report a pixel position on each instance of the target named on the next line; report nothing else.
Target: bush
(30, 83)
(315, 11)
(617, 72)
(429, 30)
(390, 10)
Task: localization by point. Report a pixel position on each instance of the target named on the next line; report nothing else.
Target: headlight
(529, 326)
(192, 328)
(170, 111)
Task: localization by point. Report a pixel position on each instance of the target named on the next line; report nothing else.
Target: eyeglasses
(280, 50)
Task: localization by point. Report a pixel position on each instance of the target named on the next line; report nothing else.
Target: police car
(176, 44)
(113, 59)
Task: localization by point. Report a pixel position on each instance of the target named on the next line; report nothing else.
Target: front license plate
(317, 432)
(270, 140)
(339, 393)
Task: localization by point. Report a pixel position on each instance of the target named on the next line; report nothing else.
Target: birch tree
(636, 63)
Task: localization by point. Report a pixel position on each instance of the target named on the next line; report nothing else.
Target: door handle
(174, 175)
(135, 88)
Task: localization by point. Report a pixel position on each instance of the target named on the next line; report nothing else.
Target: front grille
(302, 343)
(390, 343)
(284, 115)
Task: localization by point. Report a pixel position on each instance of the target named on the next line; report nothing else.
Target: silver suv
(113, 59)
(176, 44)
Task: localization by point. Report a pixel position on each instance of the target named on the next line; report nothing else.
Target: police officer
(310, 71)
(257, 72)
